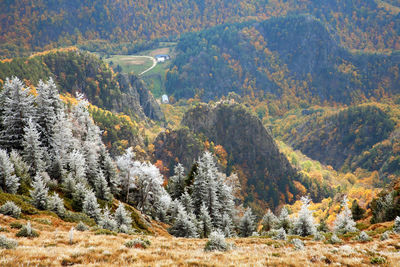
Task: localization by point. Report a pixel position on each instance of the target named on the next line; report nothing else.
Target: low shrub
(27, 231)
(81, 227)
(16, 225)
(7, 243)
(10, 209)
(138, 243)
(104, 232)
(363, 237)
(378, 260)
(298, 244)
(216, 241)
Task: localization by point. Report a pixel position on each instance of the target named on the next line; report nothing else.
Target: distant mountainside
(359, 136)
(34, 25)
(296, 59)
(266, 174)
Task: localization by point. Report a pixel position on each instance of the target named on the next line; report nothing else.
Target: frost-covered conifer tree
(33, 151)
(148, 187)
(344, 222)
(109, 170)
(161, 208)
(127, 166)
(183, 225)
(62, 144)
(56, 204)
(107, 221)
(102, 189)
(21, 168)
(68, 185)
(176, 183)
(39, 193)
(91, 207)
(17, 109)
(269, 221)
(48, 105)
(396, 226)
(284, 220)
(9, 181)
(247, 224)
(78, 196)
(304, 224)
(227, 225)
(205, 223)
(187, 202)
(122, 217)
(77, 164)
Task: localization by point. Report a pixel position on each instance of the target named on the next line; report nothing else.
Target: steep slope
(296, 59)
(27, 25)
(269, 174)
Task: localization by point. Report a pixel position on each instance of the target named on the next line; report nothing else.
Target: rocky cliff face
(136, 97)
(269, 174)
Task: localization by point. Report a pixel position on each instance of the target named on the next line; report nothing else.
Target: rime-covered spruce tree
(16, 111)
(8, 180)
(39, 193)
(90, 206)
(304, 224)
(56, 204)
(284, 220)
(176, 183)
(183, 225)
(269, 221)
(247, 224)
(101, 186)
(205, 224)
(48, 105)
(33, 151)
(344, 222)
(107, 221)
(122, 218)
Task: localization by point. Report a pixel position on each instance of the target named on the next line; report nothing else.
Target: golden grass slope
(52, 248)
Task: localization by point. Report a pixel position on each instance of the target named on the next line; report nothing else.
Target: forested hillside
(296, 60)
(362, 136)
(119, 101)
(27, 25)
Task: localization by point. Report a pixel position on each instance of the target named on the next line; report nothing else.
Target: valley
(198, 133)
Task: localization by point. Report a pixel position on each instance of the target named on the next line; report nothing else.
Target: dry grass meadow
(52, 248)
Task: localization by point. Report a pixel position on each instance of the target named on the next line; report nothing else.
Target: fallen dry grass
(52, 248)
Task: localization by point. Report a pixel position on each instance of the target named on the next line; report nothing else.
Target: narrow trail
(149, 57)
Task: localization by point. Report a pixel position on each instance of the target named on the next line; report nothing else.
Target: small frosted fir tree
(122, 218)
(304, 223)
(107, 221)
(102, 189)
(227, 225)
(176, 183)
(56, 204)
(187, 202)
(247, 224)
(344, 222)
(284, 220)
(269, 221)
(280, 234)
(39, 193)
(33, 151)
(396, 226)
(363, 237)
(91, 207)
(8, 181)
(205, 223)
(183, 226)
(78, 196)
(10, 209)
(216, 242)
